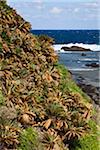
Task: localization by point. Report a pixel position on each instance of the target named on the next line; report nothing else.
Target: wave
(88, 59)
(82, 69)
(93, 47)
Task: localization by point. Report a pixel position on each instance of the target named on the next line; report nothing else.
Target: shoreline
(88, 81)
(87, 77)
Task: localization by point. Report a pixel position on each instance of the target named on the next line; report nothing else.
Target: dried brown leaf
(47, 123)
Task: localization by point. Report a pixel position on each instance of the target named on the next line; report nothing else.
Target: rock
(74, 48)
(65, 48)
(7, 113)
(94, 65)
(92, 91)
(83, 54)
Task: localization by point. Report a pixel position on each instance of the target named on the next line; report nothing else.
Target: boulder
(75, 48)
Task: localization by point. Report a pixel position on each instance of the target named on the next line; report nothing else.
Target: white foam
(81, 69)
(93, 47)
(88, 59)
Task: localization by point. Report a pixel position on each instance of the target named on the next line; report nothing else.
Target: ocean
(71, 36)
(75, 61)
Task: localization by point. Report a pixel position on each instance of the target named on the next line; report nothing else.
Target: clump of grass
(55, 109)
(2, 101)
(90, 141)
(29, 140)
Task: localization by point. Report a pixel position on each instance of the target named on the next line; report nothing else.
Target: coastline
(88, 81)
(87, 77)
(41, 107)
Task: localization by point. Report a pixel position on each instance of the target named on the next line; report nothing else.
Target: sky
(59, 14)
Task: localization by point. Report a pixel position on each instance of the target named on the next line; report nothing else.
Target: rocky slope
(40, 106)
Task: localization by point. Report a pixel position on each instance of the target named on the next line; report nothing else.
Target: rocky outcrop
(75, 48)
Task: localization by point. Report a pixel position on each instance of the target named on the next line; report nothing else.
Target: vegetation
(91, 141)
(1, 99)
(40, 105)
(29, 140)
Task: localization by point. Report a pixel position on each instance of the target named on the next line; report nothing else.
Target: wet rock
(65, 48)
(83, 54)
(94, 65)
(92, 91)
(74, 48)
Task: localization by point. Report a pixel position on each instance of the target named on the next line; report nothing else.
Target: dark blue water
(71, 36)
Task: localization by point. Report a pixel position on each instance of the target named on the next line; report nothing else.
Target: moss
(29, 140)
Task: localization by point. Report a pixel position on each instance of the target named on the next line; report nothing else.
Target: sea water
(74, 60)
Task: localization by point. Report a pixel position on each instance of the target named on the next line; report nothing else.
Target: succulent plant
(34, 92)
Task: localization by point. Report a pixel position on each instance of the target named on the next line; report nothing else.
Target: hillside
(41, 108)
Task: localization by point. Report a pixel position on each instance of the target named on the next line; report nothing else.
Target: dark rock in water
(94, 65)
(66, 48)
(74, 48)
(83, 54)
(79, 48)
